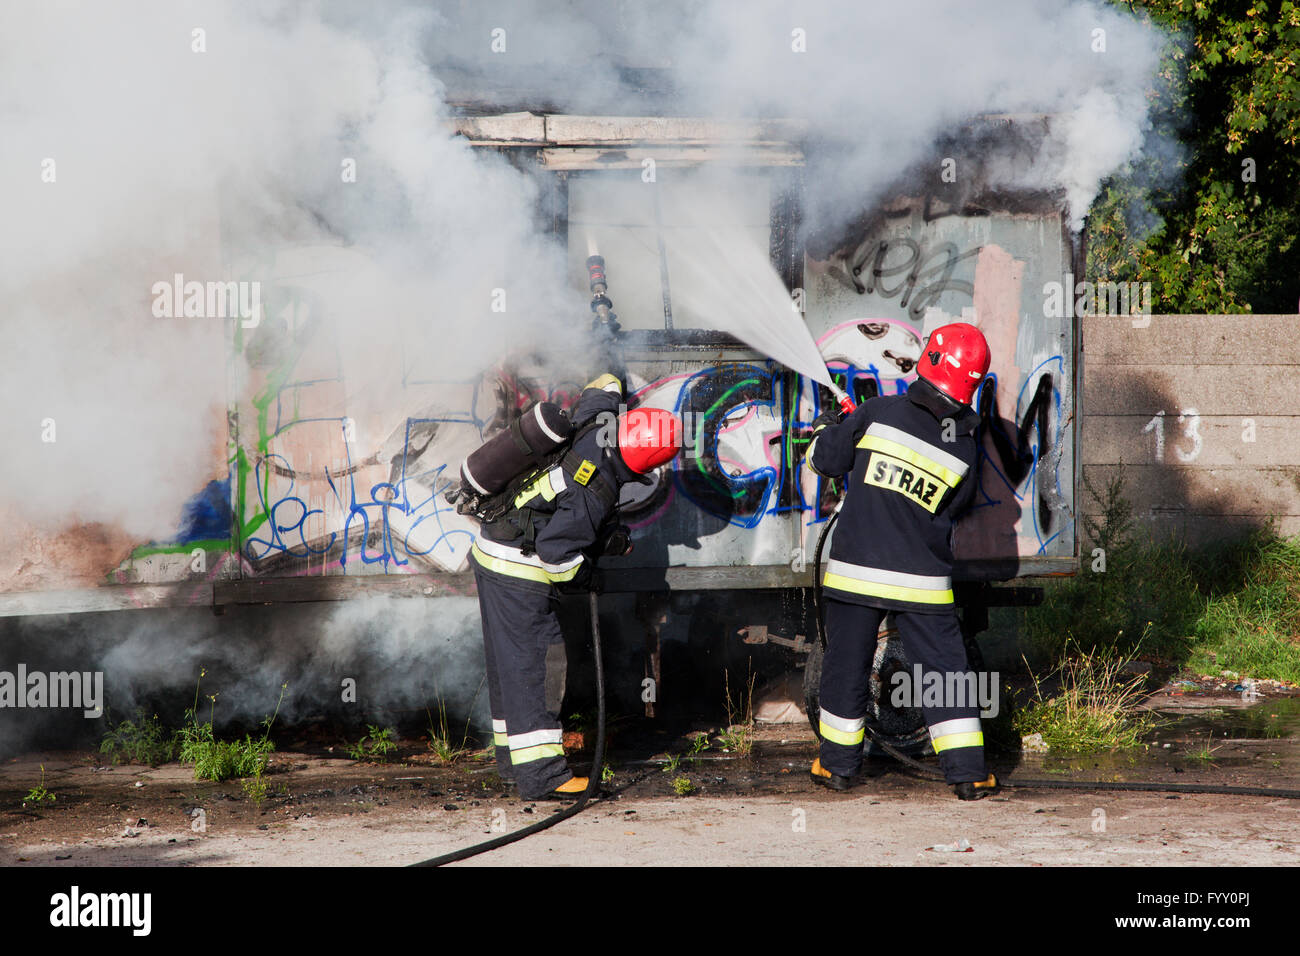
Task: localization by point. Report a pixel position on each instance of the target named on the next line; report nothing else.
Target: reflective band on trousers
(895, 585)
(900, 444)
(962, 732)
(842, 730)
(513, 562)
(538, 745)
(499, 733)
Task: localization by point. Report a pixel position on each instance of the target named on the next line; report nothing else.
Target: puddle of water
(1263, 738)
(1267, 720)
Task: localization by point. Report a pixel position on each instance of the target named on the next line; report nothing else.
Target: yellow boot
(821, 775)
(977, 790)
(571, 789)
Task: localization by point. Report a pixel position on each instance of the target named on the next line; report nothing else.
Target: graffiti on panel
(914, 271)
(309, 497)
(1021, 456)
(311, 491)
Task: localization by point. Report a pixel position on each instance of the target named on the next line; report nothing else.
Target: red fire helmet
(648, 437)
(955, 360)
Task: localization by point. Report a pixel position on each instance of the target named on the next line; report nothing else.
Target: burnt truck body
(311, 500)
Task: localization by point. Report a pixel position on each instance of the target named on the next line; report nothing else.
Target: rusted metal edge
(340, 587)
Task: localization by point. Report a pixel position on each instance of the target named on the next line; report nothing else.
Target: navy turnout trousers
(519, 625)
(931, 640)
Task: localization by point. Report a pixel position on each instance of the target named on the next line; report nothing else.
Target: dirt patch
(326, 810)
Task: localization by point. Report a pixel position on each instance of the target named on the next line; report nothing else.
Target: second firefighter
(908, 463)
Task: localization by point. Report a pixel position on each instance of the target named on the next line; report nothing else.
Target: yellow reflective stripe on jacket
(908, 440)
(899, 444)
(893, 585)
(961, 732)
(841, 730)
(519, 569)
(548, 486)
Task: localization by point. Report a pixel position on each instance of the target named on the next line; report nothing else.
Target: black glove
(826, 419)
(617, 542)
(581, 582)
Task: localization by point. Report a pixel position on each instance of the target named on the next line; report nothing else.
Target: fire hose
(1021, 784)
(593, 781)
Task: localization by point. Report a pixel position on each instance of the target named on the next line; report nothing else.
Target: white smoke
(213, 140)
(166, 159)
(128, 155)
(376, 659)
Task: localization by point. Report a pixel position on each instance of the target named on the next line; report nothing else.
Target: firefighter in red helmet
(560, 522)
(908, 463)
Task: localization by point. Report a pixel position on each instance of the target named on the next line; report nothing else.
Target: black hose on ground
(1025, 784)
(593, 782)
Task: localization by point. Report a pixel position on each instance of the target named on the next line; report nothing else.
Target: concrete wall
(1202, 412)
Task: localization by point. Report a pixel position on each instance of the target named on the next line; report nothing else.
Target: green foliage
(1251, 619)
(376, 745)
(1125, 591)
(440, 743)
(738, 737)
(38, 794)
(220, 760)
(143, 741)
(1233, 606)
(683, 786)
(1230, 90)
(1204, 753)
(1093, 706)
(255, 788)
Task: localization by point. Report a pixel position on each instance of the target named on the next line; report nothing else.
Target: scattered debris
(781, 701)
(1230, 682)
(961, 846)
(1034, 744)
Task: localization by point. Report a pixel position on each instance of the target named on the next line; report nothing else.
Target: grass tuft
(739, 734)
(1093, 708)
(375, 746)
(38, 794)
(444, 751)
(143, 741)
(219, 760)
